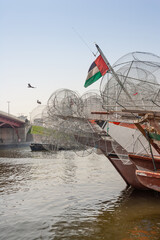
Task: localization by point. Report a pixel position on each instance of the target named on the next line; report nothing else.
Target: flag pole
(114, 74)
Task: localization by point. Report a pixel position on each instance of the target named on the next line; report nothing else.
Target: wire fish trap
(138, 73)
(64, 102)
(68, 117)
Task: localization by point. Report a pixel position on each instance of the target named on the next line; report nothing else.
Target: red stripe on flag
(102, 66)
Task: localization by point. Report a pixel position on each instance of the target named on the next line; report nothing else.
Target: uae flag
(96, 70)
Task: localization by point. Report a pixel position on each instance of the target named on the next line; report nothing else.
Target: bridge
(12, 129)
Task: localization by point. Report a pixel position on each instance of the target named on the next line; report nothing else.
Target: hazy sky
(42, 43)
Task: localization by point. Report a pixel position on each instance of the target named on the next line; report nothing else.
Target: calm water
(64, 196)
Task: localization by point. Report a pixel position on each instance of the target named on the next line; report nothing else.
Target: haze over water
(64, 196)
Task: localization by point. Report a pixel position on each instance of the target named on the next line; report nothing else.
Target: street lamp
(8, 106)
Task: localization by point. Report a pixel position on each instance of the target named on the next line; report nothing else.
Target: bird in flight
(30, 86)
(38, 102)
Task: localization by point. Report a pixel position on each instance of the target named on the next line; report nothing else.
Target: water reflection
(63, 196)
(69, 171)
(134, 215)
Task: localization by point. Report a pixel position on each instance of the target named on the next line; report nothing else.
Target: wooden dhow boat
(149, 179)
(129, 91)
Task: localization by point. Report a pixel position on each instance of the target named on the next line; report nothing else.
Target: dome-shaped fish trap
(62, 107)
(67, 120)
(92, 103)
(133, 84)
(64, 102)
(36, 115)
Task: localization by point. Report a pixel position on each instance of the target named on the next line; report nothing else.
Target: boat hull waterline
(149, 179)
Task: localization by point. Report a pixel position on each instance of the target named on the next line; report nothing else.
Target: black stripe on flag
(92, 66)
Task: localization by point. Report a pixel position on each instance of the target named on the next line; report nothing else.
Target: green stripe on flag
(92, 79)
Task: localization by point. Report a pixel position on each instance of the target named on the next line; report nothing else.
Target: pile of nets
(71, 121)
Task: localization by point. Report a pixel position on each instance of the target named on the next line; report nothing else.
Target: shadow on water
(134, 215)
(24, 153)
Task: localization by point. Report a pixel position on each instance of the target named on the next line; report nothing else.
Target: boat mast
(114, 74)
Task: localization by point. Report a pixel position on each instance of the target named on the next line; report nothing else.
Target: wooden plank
(156, 113)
